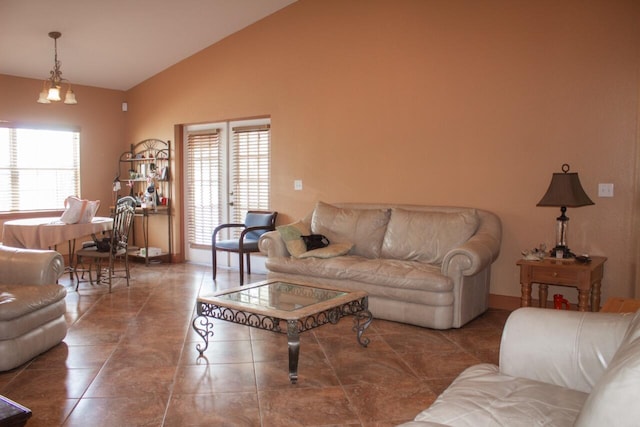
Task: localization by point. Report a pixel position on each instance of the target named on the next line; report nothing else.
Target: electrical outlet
(605, 190)
(297, 184)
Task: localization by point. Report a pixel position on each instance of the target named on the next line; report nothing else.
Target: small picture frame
(164, 173)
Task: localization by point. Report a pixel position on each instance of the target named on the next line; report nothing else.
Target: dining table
(48, 232)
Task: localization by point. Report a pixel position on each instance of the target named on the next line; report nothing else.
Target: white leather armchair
(557, 368)
(32, 305)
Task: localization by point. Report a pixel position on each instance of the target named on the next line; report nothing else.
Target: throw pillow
(333, 250)
(292, 234)
(364, 228)
(79, 211)
(427, 236)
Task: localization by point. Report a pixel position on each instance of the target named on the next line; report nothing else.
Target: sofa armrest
(29, 266)
(479, 251)
(470, 258)
(272, 245)
(567, 348)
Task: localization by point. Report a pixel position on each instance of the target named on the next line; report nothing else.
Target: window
(228, 168)
(204, 177)
(250, 169)
(38, 168)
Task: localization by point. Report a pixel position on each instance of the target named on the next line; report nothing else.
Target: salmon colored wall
(434, 102)
(411, 101)
(99, 116)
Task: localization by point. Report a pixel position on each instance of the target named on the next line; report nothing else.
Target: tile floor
(129, 359)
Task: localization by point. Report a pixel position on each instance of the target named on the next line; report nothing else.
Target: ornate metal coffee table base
(203, 325)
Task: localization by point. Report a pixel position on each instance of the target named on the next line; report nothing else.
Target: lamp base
(561, 252)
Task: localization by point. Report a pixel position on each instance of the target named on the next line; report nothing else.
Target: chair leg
(76, 271)
(99, 272)
(126, 267)
(214, 262)
(241, 261)
(248, 255)
(110, 271)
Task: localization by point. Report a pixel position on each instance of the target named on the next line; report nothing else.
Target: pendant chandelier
(51, 88)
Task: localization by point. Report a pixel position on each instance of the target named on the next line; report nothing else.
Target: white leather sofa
(32, 305)
(557, 368)
(424, 265)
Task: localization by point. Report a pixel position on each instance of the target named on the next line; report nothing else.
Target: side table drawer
(554, 275)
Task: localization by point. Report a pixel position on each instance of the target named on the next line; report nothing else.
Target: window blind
(251, 169)
(39, 168)
(204, 174)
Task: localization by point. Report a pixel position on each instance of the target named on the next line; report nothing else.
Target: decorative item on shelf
(130, 185)
(52, 86)
(559, 302)
(116, 187)
(150, 197)
(164, 173)
(564, 191)
(583, 259)
(535, 254)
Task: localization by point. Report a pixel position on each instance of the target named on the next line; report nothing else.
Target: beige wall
(99, 116)
(472, 103)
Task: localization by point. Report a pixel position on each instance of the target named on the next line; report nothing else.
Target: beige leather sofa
(557, 368)
(32, 305)
(424, 265)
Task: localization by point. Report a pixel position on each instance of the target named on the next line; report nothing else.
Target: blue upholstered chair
(256, 223)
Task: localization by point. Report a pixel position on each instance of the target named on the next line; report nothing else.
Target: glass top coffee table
(282, 307)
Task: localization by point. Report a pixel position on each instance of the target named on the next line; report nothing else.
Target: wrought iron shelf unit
(144, 173)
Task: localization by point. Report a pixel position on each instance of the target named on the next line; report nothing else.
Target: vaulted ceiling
(116, 44)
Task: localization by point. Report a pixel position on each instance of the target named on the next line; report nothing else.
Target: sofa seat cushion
(481, 396)
(24, 307)
(383, 272)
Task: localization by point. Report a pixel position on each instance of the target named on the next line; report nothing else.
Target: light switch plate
(297, 184)
(605, 190)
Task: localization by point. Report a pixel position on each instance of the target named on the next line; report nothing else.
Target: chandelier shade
(52, 87)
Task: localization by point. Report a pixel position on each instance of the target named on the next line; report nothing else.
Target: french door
(227, 168)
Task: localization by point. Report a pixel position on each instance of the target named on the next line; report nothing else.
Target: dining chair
(114, 246)
(256, 223)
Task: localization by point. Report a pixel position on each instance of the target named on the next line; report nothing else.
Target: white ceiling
(116, 44)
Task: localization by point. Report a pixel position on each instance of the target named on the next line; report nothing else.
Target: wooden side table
(561, 272)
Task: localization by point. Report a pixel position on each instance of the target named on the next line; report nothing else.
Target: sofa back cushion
(427, 236)
(614, 398)
(364, 228)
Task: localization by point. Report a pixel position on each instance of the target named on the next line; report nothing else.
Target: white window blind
(38, 168)
(228, 171)
(251, 169)
(204, 175)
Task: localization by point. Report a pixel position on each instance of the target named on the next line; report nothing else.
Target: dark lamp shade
(565, 190)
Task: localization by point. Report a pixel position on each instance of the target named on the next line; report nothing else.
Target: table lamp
(564, 191)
